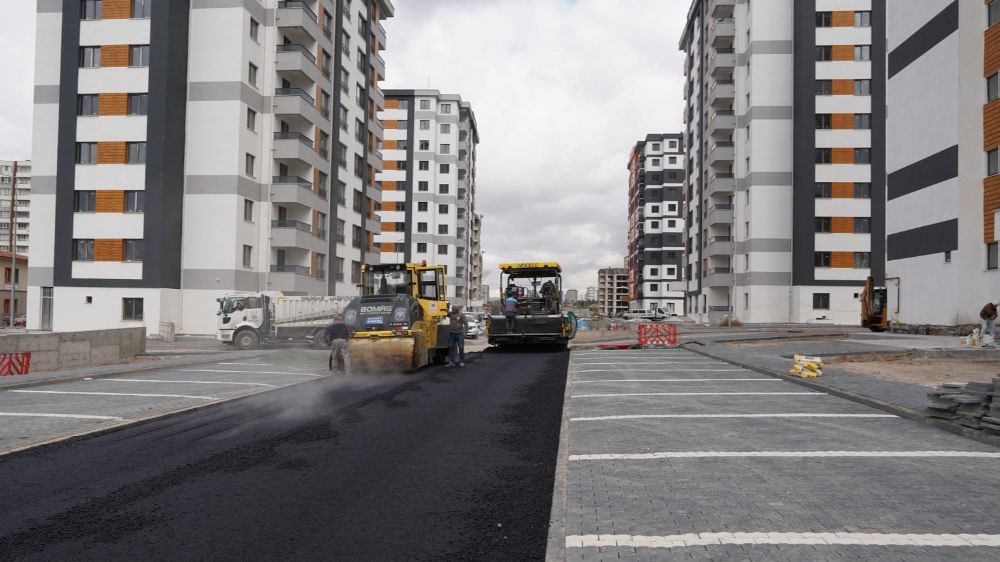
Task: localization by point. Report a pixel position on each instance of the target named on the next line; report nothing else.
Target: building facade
(785, 134)
(171, 177)
(22, 205)
(15, 276)
(943, 187)
(591, 294)
(656, 224)
(571, 296)
(428, 208)
(612, 291)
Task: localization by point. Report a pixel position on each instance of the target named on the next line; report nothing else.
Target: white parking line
(659, 371)
(199, 382)
(680, 380)
(658, 416)
(705, 539)
(701, 394)
(782, 454)
(249, 364)
(115, 394)
(251, 372)
(70, 416)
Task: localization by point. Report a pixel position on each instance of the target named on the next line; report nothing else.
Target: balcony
(720, 214)
(722, 62)
(291, 189)
(297, 60)
(297, 21)
(379, 33)
(721, 94)
(719, 246)
(722, 31)
(721, 154)
(721, 123)
(295, 234)
(719, 277)
(297, 103)
(295, 279)
(721, 183)
(721, 8)
(295, 146)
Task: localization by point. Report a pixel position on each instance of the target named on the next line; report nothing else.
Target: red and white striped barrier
(658, 335)
(15, 363)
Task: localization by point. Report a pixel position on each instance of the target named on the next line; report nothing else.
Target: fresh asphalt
(442, 464)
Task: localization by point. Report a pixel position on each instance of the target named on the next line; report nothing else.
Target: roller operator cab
(397, 320)
(537, 287)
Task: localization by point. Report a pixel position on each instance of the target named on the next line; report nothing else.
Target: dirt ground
(925, 372)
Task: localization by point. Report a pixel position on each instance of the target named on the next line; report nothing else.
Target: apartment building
(656, 223)
(779, 94)
(184, 150)
(428, 183)
(943, 134)
(591, 294)
(612, 290)
(22, 205)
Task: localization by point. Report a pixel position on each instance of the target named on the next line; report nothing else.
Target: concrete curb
(906, 413)
(555, 549)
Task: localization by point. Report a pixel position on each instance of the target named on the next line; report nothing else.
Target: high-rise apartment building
(943, 185)
(591, 294)
(22, 205)
(186, 149)
(612, 291)
(656, 223)
(429, 188)
(785, 133)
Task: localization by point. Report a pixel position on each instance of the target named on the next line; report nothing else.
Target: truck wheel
(246, 339)
(319, 339)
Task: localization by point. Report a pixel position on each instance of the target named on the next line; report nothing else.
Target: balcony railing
(320, 274)
(721, 207)
(293, 4)
(298, 225)
(301, 182)
(295, 48)
(294, 136)
(723, 308)
(284, 268)
(321, 234)
(295, 92)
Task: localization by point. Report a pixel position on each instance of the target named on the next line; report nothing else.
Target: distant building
(20, 279)
(591, 294)
(612, 290)
(571, 296)
(22, 205)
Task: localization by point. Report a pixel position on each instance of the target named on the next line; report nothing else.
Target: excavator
(397, 320)
(874, 307)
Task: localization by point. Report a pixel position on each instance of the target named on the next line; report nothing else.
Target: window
(442, 249)
(824, 87)
(655, 147)
(425, 125)
(252, 74)
(824, 53)
(443, 188)
(254, 30)
(862, 190)
(83, 250)
(346, 39)
(135, 152)
(673, 159)
(90, 57)
(248, 168)
(421, 227)
(425, 104)
(402, 165)
(862, 19)
(862, 120)
(84, 201)
(822, 224)
(359, 165)
(654, 162)
(247, 256)
(445, 128)
(91, 9)
(863, 87)
(133, 250)
(993, 87)
(444, 168)
(251, 120)
(824, 19)
(425, 145)
(824, 121)
(824, 156)
(654, 224)
(821, 301)
(994, 12)
(824, 190)
(138, 104)
(862, 260)
(821, 259)
(138, 55)
(947, 256)
(402, 124)
(248, 210)
(135, 201)
(442, 229)
(422, 206)
(359, 95)
(86, 153)
(862, 156)
(341, 193)
(402, 145)
(131, 309)
(445, 149)
(654, 209)
(356, 236)
(992, 261)
(654, 271)
(421, 247)
(993, 162)
(443, 209)
(446, 108)
(422, 186)
(86, 104)
(862, 225)
(359, 201)
(862, 52)
(423, 165)
(342, 156)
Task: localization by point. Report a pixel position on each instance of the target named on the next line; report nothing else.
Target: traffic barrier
(657, 335)
(14, 363)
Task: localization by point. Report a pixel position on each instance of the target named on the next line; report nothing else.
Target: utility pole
(10, 243)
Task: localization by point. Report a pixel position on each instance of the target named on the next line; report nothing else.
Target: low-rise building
(15, 276)
(612, 291)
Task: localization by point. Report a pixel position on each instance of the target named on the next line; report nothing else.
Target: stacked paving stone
(970, 404)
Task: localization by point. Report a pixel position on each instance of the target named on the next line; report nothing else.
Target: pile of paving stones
(973, 404)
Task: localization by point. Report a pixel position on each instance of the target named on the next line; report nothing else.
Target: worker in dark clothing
(458, 325)
(510, 311)
(549, 294)
(337, 334)
(986, 318)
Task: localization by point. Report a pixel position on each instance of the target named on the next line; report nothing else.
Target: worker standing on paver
(458, 326)
(986, 318)
(337, 334)
(510, 311)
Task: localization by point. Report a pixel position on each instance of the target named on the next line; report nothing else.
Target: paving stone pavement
(919, 494)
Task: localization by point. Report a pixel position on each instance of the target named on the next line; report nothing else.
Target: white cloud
(561, 90)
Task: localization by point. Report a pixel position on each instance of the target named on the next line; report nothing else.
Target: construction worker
(549, 294)
(337, 334)
(986, 318)
(457, 327)
(510, 311)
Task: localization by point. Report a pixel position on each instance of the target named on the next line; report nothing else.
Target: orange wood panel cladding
(991, 50)
(387, 247)
(842, 155)
(112, 104)
(842, 19)
(391, 104)
(842, 121)
(109, 201)
(388, 185)
(991, 203)
(843, 52)
(117, 9)
(109, 249)
(991, 125)
(390, 124)
(842, 260)
(389, 144)
(388, 205)
(841, 225)
(842, 87)
(389, 165)
(114, 55)
(842, 190)
(111, 152)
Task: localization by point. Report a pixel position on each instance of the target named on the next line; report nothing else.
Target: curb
(555, 548)
(905, 413)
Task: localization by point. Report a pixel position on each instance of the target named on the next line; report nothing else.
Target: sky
(561, 89)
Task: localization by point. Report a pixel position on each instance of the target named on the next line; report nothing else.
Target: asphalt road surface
(442, 464)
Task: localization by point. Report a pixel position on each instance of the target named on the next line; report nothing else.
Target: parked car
(475, 328)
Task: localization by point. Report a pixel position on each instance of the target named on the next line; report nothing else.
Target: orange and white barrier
(658, 335)
(14, 363)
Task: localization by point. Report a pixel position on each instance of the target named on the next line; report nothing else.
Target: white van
(640, 314)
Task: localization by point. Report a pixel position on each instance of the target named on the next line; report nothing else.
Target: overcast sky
(561, 89)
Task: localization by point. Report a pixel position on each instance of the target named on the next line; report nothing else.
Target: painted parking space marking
(782, 454)
(115, 394)
(68, 416)
(701, 394)
(194, 382)
(251, 372)
(660, 371)
(625, 364)
(679, 380)
(249, 364)
(727, 416)
(708, 539)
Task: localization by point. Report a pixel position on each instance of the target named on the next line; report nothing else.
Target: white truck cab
(639, 314)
